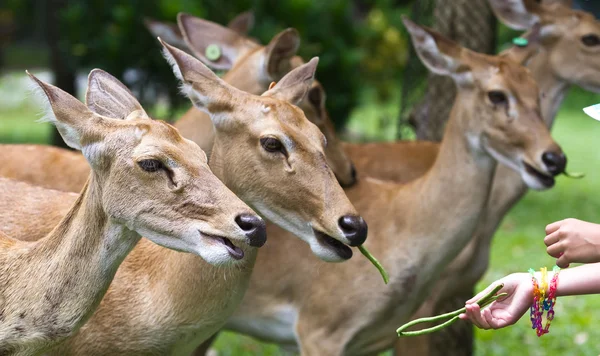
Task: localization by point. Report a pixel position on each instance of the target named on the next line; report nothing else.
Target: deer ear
(441, 55)
(279, 52)
(71, 117)
(242, 23)
(517, 14)
(216, 46)
(530, 44)
(294, 86)
(169, 32)
(207, 92)
(107, 96)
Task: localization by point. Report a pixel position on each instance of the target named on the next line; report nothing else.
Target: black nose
(254, 227)
(354, 228)
(556, 163)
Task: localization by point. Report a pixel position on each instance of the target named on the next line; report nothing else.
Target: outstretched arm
(507, 311)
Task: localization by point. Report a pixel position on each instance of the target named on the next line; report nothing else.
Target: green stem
(575, 175)
(375, 262)
(483, 302)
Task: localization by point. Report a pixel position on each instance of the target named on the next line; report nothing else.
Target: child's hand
(573, 240)
(506, 311)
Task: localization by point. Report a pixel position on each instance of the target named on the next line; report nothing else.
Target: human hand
(504, 311)
(573, 240)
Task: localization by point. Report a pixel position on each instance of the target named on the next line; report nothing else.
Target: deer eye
(497, 97)
(150, 165)
(590, 40)
(271, 144)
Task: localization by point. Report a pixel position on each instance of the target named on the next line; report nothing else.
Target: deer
(50, 287)
(568, 45)
(170, 33)
(244, 60)
(252, 68)
(415, 228)
(275, 163)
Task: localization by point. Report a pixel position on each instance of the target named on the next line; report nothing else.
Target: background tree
(472, 24)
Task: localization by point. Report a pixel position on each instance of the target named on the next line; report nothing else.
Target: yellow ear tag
(272, 85)
(213, 52)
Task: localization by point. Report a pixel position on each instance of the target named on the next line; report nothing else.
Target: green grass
(518, 244)
(18, 124)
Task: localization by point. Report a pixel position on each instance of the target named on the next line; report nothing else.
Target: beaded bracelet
(544, 299)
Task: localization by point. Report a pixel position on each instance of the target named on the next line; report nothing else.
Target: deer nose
(555, 162)
(354, 229)
(254, 228)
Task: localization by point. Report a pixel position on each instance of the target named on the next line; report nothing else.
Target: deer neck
(552, 87)
(215, 160)
(454, 191)
(80, 257)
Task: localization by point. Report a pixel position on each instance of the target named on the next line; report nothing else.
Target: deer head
(272, 157)
(503, 97)
(571, 37)
(170, 33)
(254, 67)
(152, 180)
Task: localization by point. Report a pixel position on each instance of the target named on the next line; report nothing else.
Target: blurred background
(377, 90)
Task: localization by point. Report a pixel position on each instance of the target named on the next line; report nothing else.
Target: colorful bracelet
(544, 299)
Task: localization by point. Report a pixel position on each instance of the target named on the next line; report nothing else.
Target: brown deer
(415, 228)
(245, 61)
(170, 33)
(252, 68)
(569, 43)
(162, 302)
(146, 179)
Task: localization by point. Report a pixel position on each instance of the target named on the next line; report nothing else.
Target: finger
(476, 317)
(470, 315)
(482, 319)
(552, 238)
(556, 250)
(490, 321)
(550, 228)
(563, 262)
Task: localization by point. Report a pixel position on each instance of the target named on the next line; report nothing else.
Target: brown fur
(247, 73)
(561, 63)
(414, 228)
(189, 299)
(45, 166)
(50, 287)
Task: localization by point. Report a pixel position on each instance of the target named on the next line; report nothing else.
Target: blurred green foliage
(360, 43)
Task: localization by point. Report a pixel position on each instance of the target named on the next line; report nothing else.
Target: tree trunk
(60, 62)
(472, 24)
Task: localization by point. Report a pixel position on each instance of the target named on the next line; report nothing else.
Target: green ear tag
(213, 52)
(520, 42)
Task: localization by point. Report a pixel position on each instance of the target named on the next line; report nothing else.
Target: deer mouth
(234, 251)
(545, 179)
(338, 247)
